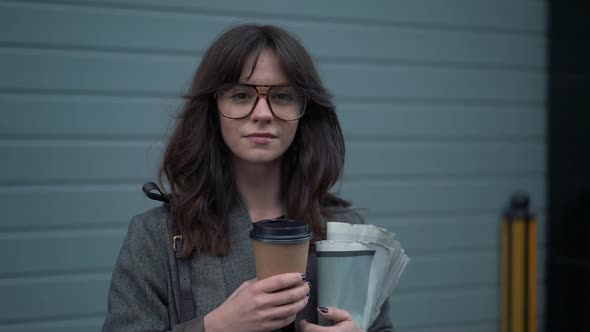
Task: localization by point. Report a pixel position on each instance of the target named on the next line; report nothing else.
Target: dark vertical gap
(567, 286)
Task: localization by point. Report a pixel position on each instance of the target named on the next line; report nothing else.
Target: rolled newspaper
(359, 265)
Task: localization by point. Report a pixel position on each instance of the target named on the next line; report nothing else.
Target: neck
(260, 187)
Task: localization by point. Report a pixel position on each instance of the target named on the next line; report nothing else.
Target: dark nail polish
(323, 309)
(303, 277)
(307, 294)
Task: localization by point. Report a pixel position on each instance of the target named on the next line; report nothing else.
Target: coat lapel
(239, 265)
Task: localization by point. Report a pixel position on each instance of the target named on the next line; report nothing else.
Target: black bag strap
(187, 303)
(148, 189)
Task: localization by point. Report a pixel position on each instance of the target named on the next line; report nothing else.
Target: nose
(262, 110)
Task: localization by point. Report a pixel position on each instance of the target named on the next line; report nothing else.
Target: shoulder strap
(187, 303)
(148, 189)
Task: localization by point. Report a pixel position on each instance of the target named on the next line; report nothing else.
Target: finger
(288, 295)
(334, 314)
(288, 309)
(277, 324)
(305, 326)
(280, 281)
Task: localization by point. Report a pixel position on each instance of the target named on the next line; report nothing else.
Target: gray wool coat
(144, 292)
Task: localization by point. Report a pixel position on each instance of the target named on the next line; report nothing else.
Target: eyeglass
(237, 100)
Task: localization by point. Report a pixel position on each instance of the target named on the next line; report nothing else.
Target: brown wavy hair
(196, 163)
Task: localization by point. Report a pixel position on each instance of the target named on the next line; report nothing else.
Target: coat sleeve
(138, 293)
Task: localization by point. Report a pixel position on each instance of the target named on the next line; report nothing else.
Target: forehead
(267, 70)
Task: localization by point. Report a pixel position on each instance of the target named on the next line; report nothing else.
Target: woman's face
(260, 137)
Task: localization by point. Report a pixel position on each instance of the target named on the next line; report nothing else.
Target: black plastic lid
(281, 231)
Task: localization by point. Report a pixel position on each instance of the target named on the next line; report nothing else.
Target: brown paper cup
(273, 259)
(280, 246)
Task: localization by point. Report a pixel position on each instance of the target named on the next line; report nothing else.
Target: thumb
(334, 314)
(304, 325)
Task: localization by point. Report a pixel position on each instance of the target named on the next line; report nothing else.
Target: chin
(260, 158)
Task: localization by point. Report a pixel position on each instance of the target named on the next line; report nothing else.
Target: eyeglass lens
(238, 100)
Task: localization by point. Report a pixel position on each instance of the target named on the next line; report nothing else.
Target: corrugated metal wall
(442, 103)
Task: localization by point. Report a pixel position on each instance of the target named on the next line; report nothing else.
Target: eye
(241, 96)
(283, 97)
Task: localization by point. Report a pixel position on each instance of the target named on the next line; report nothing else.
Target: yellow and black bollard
(519, 260)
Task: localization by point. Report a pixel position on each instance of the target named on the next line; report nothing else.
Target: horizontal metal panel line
(474, 216)
(436, 179)
(462, 251)
(61, 232)
(446, 140)
(389, 140)
(447, 101)
(94, 93)
(36, 321)
(87, 227)
(43, 142)
(341, 60)
(408, 62)
(417, 141)
(90, 227)
(50, 185)
(465, 286)
(60, 95)
(97, 140)
(463, 323)
(492, 213)
(170, 52)
(65, 94)
(447, 290)
(533, 174)
(119, 186)
(375, 22)
(387, 179)
(436, 213)
(156, 95)
(38, 276)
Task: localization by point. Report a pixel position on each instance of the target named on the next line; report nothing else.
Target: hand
(341, 321)
(263, 305)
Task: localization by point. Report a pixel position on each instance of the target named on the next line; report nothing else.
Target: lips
(261, 135)
(260, 138)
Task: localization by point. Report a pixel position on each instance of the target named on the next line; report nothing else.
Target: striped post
(519, 253)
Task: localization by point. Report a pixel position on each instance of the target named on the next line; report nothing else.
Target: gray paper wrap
(358, 268)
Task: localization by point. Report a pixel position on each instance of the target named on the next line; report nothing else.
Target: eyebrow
(248, 83)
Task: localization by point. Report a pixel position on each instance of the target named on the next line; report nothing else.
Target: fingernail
(307, 294)
(303, 277)
(323, 309)
(309, 284)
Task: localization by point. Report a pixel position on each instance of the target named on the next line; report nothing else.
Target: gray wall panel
(112, 161)
(442, 106)
(118, 73)
(29, 115)
(128, 29)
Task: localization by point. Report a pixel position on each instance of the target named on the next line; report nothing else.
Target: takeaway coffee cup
(280, 246)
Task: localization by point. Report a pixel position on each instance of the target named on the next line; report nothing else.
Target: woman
(257, 138)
